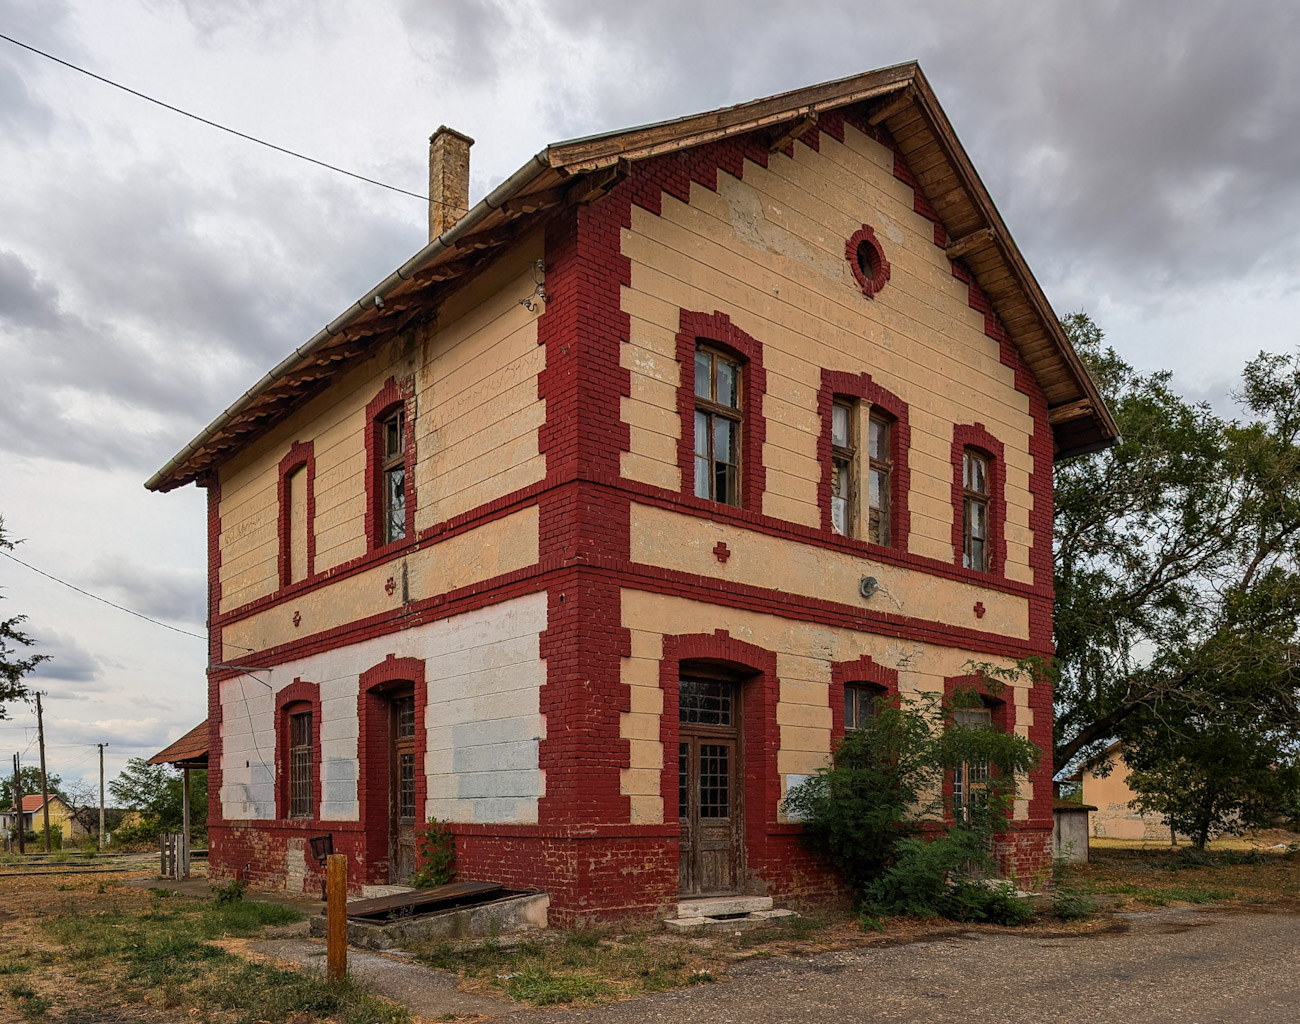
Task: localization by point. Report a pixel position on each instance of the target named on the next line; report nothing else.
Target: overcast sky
(1146, 156)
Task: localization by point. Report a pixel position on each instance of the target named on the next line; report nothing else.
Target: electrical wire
(222, 127)
(111, 604)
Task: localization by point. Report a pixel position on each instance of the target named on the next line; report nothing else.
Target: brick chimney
(448, 179)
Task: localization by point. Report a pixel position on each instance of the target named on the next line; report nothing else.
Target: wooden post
(185, 818)
(101, 794)
(336, 915)
(18, 804)
(45, 786)
(162, 853)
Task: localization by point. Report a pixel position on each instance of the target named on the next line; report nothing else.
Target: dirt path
(1174, 965)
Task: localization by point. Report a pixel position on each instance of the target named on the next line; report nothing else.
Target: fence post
(336, 916)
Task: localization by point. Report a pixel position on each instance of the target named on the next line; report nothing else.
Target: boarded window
(298, 525)
(717, 426)
(975, 510)
(300, 783)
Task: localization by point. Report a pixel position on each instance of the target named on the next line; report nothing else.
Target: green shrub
(228, 892)
(436, 845)
(1071, 905)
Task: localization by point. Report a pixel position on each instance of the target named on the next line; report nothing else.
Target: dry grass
(83, 950)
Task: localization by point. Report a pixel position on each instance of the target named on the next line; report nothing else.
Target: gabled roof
(190, 751)
(34, 801)
(898, 98)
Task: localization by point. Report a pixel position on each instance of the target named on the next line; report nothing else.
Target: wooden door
(401, 790)
(709, 793)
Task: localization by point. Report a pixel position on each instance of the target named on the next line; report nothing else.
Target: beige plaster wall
(675, 540)
(769, 252)
(497, 547)
(805, 653)
(476, 414)
(1113, 818)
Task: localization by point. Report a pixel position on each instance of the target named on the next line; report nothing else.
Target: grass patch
(162, 952)
(29, 1002)
(581, 967)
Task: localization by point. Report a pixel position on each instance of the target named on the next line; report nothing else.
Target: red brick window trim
(393, 675)
(300, 457)
(716, 331)
(867, 260)
(871, 399)
(394, 396)
(297, 698)
(976, 438)
(862, 672)
(755, 669)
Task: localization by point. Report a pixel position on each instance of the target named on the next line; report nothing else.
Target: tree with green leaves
(14, 663)
(31, 780)
(866, 810)
(156, 791)
(1177, 560)
(1208, 775)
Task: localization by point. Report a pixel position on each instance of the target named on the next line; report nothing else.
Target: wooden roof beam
(1070, 411)
(968, 243)
(795, 131)
(901, 102)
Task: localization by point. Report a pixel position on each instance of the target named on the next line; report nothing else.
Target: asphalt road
(1177, 965)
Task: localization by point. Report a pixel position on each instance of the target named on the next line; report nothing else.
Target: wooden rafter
(795, 131)
(968, 243)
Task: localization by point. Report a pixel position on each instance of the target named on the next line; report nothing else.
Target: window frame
(856, 693)
(392, 400)
(299, 697)
(976, 439)
(712, 409)
(846, 455)
(870, 402)
(972, 499)
(299, 749)
(716, 331)
(392, 461)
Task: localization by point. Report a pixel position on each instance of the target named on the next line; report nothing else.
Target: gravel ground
(1176, 965)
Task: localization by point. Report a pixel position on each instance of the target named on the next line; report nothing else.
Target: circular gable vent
(867, 261)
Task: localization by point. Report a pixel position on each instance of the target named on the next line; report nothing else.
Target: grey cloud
(163, 592)
(69, 661)
(25, 300)
(1143, 149)
(213, 18)
(24, 115)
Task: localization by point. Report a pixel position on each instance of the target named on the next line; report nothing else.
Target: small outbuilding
(1070, 830)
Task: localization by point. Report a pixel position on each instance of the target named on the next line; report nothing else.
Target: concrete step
(723, 906)
(731, 925)
(373, 892)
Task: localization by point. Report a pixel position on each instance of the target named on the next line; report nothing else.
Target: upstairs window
(300, 773)
(718, 421)
(975, 510)
(844, 467)
(880, 469)
(393, 474)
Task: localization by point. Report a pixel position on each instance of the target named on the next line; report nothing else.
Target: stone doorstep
(754, 919)
(723, 906)
(372, 892)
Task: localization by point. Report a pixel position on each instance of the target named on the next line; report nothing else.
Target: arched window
(390, 465)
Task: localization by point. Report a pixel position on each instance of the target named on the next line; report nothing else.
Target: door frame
(753, 668)
(734, 735)
(374, 757)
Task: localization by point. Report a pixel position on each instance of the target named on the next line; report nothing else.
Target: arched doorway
(710, 792)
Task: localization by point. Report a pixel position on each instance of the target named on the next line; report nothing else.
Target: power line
(222, 127)
(111, 604)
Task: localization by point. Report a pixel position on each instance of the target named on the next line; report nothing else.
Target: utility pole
(45, 786)
(101, 794)
(18, 804)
